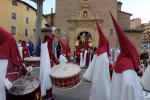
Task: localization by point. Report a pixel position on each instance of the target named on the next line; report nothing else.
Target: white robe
(20, 51)
(98, 74)
(81, 59)
(117, 52)
(45, 67)
(3, 69)
(84, 58)
(146, 79)
(126, 86)
(62, 59)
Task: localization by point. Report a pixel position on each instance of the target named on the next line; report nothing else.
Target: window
(14, 2)
(14, 15)
(26, 32)
(13, 30)
(85, 14)
(27, 8)
(27, 20)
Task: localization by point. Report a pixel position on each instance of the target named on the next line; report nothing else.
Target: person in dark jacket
(144, 57)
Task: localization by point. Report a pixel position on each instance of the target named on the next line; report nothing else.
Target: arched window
(85, 14)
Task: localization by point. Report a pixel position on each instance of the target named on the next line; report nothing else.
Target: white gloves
(8, 84)
(29, 69)
(62, 59)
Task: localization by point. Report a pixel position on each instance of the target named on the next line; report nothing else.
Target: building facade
(135, 23)
(19, 18)
(147, 28)
(123, 17)
(77, 18)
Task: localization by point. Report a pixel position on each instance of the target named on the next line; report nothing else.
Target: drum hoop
(67, 88)
(24, 85)
(66, 76)
(30, 59)
(146, 90)
(143, 87)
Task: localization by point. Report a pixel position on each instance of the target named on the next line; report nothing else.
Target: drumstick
(26, 76)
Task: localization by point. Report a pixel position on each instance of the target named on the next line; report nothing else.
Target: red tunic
(50, 38)
(25, 50)
(9, 50)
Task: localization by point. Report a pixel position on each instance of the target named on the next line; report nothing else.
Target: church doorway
(82, 38)
(83, 53)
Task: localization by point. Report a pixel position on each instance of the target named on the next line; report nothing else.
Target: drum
(23, 89)
(32, 61)
(65, 75)
(35, 72)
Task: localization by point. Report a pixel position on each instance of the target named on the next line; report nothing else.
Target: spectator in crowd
(144, 57)
(31, 47)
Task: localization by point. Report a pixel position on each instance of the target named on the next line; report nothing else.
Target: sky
(139, 8)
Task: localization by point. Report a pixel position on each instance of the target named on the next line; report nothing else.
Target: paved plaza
(81, 92)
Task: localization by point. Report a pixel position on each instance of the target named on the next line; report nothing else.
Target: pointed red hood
(4, 35)
(8, 48)
(103, 42)
(128, 57)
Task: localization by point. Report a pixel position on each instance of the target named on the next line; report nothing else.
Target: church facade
(77, 19)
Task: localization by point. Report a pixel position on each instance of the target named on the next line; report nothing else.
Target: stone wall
(69, 17)
(135, 37)
(124, 19)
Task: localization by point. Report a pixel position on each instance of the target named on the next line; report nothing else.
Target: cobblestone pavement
(81, 92)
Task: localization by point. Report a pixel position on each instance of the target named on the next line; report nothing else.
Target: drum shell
(30, 86)
(30, 96)
(68, 82)
(32, 63)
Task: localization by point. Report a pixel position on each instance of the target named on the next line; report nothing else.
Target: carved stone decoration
(84, 1)
(84, 24)
(71, 25)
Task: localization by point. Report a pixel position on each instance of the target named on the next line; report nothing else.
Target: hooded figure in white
(81, 59)
(125, 82)
(98, 70)
(9, 59)
(45, 66)
(84, 58)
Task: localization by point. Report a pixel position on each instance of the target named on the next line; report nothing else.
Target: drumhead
(32, 59)
(22, 87)
(35, 72)
(65, 70)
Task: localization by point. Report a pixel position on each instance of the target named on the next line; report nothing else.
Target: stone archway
(82, 37)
